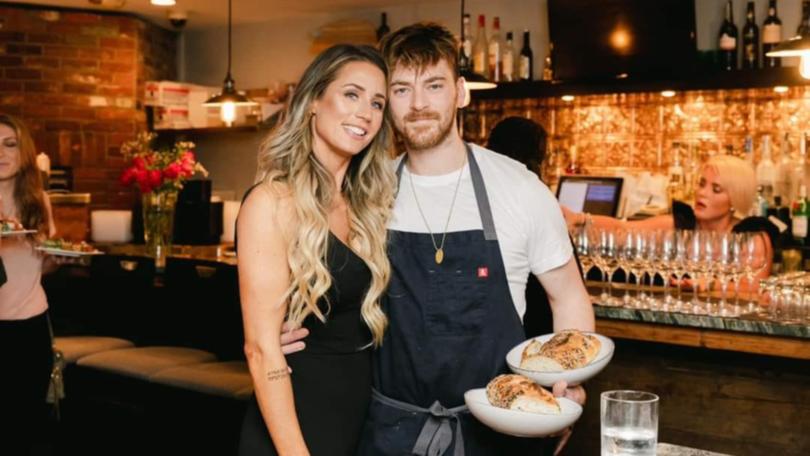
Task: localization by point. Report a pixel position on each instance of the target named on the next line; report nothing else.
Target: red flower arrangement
(159, 170)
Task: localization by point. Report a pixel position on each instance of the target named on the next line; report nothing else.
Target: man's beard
(426, 138)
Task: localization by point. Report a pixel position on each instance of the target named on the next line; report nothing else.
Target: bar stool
(74, 347)
(230, 379)
(144, 362)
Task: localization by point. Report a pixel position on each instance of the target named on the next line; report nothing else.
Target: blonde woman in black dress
(312, 253)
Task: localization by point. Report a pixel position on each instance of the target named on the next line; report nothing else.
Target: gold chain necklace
(439, 257)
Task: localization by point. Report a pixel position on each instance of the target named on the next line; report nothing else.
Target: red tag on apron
(483, 272)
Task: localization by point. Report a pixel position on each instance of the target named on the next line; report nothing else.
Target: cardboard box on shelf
(166, 93)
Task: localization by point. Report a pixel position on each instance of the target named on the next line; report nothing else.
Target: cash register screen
(595, 195)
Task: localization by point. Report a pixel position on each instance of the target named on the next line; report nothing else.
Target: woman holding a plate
(25, 343)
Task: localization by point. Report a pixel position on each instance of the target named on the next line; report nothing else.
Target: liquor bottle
(526, 59)
(548, 71)
(727, 41)
(804, 25)
(750, 54)
(799, 213)
(766, 171)
(784, 184)
(675, 175)
(465, 57)
(771, 35)
(748, 150)
(573, 164)
(760, 208)
(480, 58)
(508, 64)
(782, 213)
(383, 29)
(495, 51)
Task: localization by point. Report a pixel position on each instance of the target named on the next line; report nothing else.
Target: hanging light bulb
(229, 99)
(804, 66)
(227, 112)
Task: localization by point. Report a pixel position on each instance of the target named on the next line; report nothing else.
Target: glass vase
(158, 224)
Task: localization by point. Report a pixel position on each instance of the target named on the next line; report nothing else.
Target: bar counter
(729, 385)
(221, 253)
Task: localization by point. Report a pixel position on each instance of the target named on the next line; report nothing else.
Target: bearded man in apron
(468, 227)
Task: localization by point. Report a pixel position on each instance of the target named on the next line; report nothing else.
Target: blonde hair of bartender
(737, 176)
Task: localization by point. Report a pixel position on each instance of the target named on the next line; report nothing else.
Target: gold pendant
(439, 256)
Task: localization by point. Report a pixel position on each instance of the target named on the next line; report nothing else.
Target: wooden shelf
(788, 347)
(741, 79)
(208, 131)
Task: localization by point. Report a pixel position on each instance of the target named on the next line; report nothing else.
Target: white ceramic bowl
(517, 423)
(572, 376)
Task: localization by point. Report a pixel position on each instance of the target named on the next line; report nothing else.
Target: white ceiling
(207, 13)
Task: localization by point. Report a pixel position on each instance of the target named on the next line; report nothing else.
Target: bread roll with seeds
(569, 349)
(516, 392)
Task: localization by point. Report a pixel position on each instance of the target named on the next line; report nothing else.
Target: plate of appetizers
(516, 405)
(12, 228)
(60, 247)
(570, 355)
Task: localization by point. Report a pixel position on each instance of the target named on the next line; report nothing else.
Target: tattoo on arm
(277, 374)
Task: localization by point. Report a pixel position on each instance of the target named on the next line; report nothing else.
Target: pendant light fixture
(798, 46)
(473, 80)
(229, 99)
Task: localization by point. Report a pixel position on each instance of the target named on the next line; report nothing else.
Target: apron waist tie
(436, 435)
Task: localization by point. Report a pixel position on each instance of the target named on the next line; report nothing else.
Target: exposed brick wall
(77, 78)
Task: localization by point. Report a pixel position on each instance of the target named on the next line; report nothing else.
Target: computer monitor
(592, 194)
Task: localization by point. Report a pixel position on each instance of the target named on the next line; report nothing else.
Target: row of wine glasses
(701, 261)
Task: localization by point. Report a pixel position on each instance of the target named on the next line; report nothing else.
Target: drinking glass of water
(629, 423)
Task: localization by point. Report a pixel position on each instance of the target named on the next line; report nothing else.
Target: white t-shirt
(531, 230)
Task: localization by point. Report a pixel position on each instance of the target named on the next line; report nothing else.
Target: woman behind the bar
(312, 236)
(26, 355)
(725, 193)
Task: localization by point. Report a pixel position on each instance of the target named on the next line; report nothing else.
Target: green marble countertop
(667, 449)
(749, 323)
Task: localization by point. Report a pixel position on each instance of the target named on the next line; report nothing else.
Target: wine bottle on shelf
(508, 63)
(526, 59)
(727, 40)
(548, 71)
(383, 29)
(771, 35)
(804, 25)
(799, 212)
(495, 51)
(465, 57)
(480, 57)
(750, 53)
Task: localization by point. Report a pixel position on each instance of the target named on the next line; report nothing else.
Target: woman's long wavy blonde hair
(286, 157)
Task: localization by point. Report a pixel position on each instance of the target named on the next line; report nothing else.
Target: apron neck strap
(481, 197)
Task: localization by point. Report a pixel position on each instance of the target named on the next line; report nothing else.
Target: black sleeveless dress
(331, 378)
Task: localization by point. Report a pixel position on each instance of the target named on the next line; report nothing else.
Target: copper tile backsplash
(637, 130)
